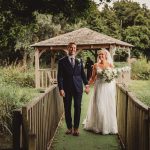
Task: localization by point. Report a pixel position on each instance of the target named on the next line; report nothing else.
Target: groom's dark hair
(71, 43)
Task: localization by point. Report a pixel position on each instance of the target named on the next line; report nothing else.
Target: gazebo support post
(96, 55)
(129, 56)
(37, 73)
(53, 56)
(112, 51)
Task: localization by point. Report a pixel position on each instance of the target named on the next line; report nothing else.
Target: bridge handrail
(133, 120)
(38, 121)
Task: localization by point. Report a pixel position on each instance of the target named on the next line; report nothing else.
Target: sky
(147, 2)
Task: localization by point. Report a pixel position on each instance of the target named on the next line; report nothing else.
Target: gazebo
(86, 39)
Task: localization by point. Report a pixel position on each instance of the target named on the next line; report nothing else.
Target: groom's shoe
(76, 132)
(69, 131)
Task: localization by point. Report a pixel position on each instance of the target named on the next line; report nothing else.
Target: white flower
(79, 60)
(108, 74)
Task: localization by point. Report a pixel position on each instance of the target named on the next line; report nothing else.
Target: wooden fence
(125, 75)
(36, 123)
(47, 77)
(133, 121)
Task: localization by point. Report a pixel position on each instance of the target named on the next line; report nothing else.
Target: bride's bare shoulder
(95, 65)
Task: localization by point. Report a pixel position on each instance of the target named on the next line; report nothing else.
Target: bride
(101, 115)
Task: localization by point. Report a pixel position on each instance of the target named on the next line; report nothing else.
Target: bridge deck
(86, 140)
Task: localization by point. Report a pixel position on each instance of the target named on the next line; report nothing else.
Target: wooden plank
(32, 142)
(137, 102)
(37, 99)
(126, 117)
(25, 128)
(135, 115)
(149, 127)
(40, 118)
(17, 121)
(37, 75)
(42, 79)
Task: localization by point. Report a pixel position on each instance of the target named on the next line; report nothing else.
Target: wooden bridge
(36, 123)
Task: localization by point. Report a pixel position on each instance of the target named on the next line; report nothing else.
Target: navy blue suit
(71, 79)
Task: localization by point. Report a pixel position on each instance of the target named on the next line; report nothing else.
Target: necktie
(72, 62)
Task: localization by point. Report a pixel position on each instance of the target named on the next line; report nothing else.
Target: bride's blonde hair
(107, 54)
(102, 51)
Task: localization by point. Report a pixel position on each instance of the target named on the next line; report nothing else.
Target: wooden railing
(133, 121)
(124, 75)
(48, 77)
(36, 123)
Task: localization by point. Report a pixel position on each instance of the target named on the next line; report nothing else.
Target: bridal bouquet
(108, 74)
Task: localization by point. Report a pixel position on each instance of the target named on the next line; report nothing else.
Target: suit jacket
(68, 76)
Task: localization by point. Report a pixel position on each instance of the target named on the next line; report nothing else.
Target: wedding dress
(101, 114)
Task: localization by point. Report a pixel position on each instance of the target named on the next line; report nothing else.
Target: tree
(139, 36)
(111, 22)
(126, 12)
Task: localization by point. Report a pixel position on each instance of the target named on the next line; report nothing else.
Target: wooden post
(96, 55)
(112, 50)
(32, 142)
(17, 121)
(126, 119)
(149, 127)
(129, 55)
(37, 73)
(25, 128)
(53, 56)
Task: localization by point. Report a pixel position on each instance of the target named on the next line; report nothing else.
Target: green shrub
(140, 70)
(19, 76)
(16, 84)
(121, 55)
(12, 97)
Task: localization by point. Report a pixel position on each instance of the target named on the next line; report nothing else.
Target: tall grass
(17, 75)
(140, 70)
(16, 86)
(141, 88)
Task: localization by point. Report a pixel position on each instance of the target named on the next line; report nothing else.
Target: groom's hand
(87, 89)
(62, 93)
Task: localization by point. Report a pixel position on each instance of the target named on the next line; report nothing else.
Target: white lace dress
(101, 115)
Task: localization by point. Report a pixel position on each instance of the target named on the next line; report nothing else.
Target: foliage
(121, 55)
(140, 70)
(126, 12)
(84, 54)
(23, 23)
(12, 97)
(111, 22)
(16, 75)
(16, 89)
(139, 36)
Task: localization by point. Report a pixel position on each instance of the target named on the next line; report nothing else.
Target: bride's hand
(87, 89)
(62, 93)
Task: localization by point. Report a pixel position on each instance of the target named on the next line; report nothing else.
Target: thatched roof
(82, 37)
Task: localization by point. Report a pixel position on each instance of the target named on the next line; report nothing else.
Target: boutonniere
(78, 60)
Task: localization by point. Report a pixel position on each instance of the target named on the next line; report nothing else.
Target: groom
(70, 77)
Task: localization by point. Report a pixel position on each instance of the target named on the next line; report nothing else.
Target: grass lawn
(141, 89)
(86, 140)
